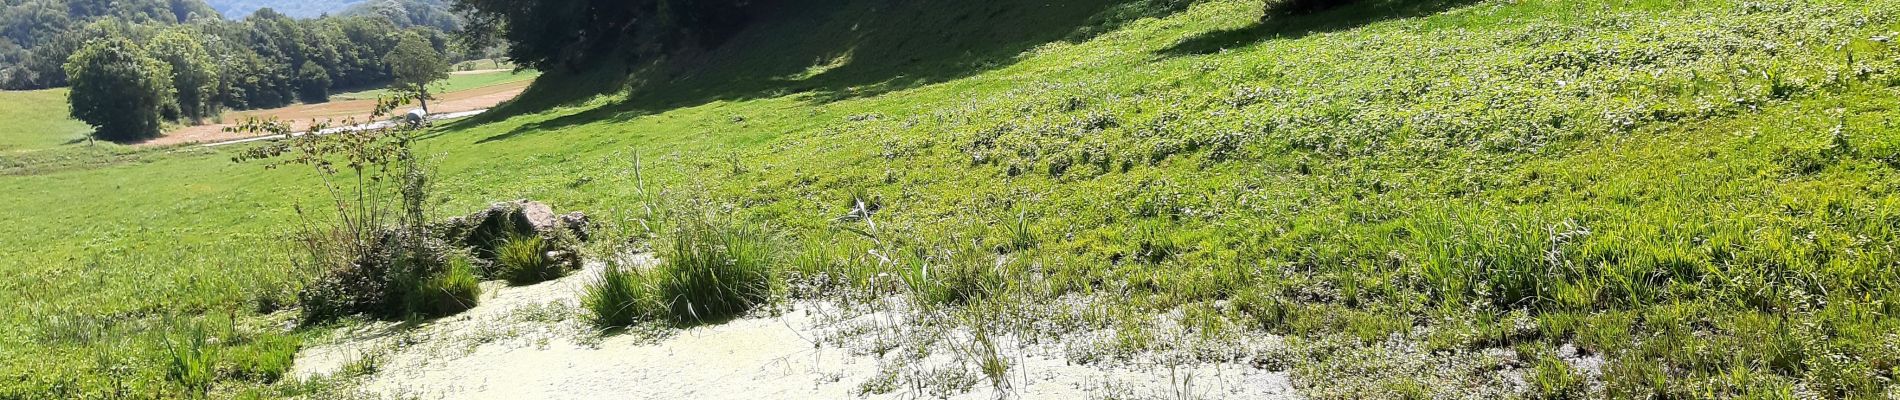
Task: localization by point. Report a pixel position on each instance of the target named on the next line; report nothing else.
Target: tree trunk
(424, 97)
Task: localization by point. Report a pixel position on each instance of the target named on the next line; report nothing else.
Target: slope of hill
(238, 9)
(1426, 199)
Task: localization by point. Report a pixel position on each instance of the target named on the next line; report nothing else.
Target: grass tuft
(714, 270)
(621, 297)
(525, 259)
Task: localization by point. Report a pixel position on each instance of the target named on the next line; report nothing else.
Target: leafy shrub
(401, 276)
(118, 89)
(621, 297)
(526, 259)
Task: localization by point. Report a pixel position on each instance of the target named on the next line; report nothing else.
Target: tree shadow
(831, 51)
(1296, 26)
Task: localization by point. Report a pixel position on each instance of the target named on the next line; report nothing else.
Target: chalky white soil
(533, 342)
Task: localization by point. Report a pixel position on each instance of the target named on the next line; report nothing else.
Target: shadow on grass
(831, 51)
(1297, 26)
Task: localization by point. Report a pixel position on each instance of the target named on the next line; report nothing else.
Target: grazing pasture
(1538, 198)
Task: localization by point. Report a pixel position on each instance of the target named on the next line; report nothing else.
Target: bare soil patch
(301, 116)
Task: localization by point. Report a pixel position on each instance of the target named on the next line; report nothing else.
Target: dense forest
(267, 59)
(292, 8)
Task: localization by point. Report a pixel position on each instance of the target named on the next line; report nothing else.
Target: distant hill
(406, 13)
(238, 9)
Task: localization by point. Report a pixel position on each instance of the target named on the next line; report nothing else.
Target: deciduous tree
(415, 64)
(194, 76)
(118, 89)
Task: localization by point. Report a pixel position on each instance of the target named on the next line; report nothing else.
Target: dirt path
(301, 115)
(480, 71)
(531, 343)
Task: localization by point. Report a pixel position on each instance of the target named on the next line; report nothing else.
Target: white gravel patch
(532, 342)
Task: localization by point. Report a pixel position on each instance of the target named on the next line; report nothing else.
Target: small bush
(714, 271)
(619, 298)
(526, 259)
(402, 275)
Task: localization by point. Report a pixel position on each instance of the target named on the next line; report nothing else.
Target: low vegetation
(1550, 198)
(713, 269)
(525, 259)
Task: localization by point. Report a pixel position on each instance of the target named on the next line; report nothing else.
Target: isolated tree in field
(194, 77)
(118, 89)
(414, 64)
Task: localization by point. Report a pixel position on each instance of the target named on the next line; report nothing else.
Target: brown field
(302, 116)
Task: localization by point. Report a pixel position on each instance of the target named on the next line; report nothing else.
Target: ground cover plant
(1421, 196)
(30, 127)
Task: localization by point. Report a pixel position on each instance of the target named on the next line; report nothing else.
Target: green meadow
(1701, 195)
(455, 83)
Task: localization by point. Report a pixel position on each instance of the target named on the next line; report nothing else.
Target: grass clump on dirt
(621, 297)
(712, 270)
(525, 259)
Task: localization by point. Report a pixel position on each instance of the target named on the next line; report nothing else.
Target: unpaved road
(300, 116)
(532, 342)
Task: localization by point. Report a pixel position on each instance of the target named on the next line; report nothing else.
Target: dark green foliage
(414, 64)
(37, 36)
(714, 270)
(1303, 6)
(313, 83)
(593, 30)
(446, 292)
(410, 13)
(194, 77)
(119, 89)
(399, 276)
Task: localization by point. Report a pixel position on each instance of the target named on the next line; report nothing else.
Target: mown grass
(1697, 194)
(37, 119)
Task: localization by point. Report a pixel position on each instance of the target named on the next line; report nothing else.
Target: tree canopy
(194, 76)
(118, 89)
(415, 64)
(592, 28)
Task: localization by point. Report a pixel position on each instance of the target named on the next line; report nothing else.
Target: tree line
(130, 77)
(267, 59)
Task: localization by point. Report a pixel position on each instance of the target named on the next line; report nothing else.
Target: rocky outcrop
(484, 230)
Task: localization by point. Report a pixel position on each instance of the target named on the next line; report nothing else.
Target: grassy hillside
(37, 119)
(1427, 198)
